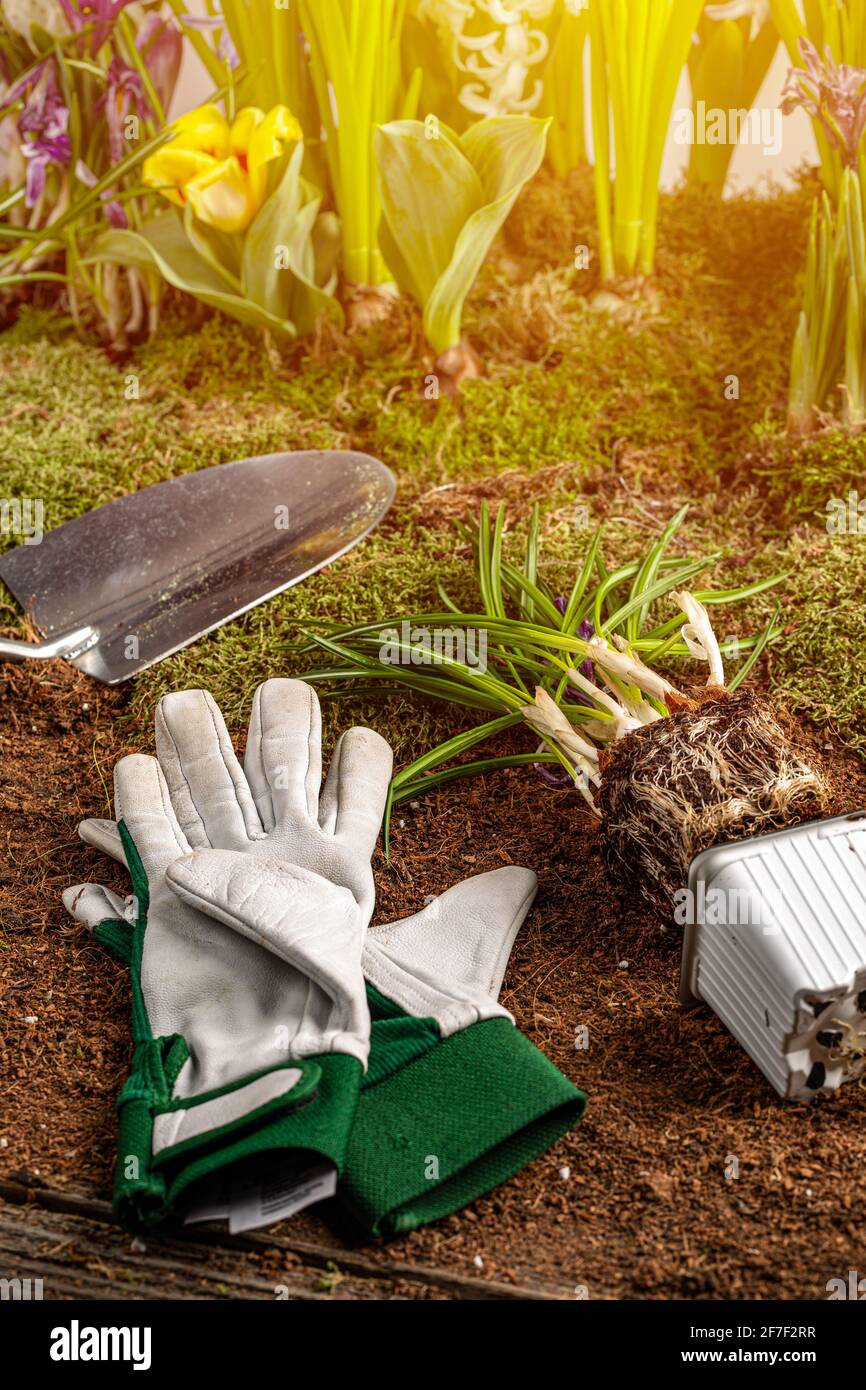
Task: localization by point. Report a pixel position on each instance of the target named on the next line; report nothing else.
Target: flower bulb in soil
(721, 767)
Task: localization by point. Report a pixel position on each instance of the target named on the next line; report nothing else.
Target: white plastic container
(775, 943)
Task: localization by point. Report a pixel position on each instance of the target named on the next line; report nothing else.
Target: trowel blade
(153, 571)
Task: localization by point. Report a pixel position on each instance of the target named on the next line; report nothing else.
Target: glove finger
(353, 801)
(142, 802)
(304, 920)
(467, 934)
(103, 835)
(208, 789)
(283, 760)
(92, 904)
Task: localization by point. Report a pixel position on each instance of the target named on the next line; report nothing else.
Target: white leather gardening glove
(455, 1099)
(250, 1021)
(275, 805)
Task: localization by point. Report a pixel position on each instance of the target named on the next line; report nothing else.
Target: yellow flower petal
(206, 129)
(222, 170)
(243, 126)
(267, 142)
(220, 196)
(170, 169)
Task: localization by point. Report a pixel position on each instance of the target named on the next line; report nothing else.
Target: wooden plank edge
(321, 1256)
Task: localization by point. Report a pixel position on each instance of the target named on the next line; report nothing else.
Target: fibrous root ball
(719, 767)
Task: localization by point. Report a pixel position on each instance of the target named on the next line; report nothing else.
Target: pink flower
(42, 126)
(95, 15)
(832, 93)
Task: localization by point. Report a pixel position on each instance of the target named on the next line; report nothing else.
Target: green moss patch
(598, 416)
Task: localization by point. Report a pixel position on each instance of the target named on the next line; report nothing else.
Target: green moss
(393, 572)
(808, 480)
(627, 415)
(819, 666)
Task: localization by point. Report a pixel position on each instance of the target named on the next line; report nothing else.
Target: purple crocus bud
(42, 125)
(586, 668)
(96, 15)
(37, 165)
(124, 96)
(160, 44)
(22, 89)
(44, 115)
(115, 215)
(553, 779)
(832, 93)
(587, 632)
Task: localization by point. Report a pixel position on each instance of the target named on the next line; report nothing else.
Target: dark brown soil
(634, 1203)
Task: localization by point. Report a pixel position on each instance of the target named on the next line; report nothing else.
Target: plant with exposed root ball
(720, 768)
(667, 772)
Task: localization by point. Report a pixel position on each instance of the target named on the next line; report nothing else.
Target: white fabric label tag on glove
(262, 1201)
(214, 1207)
(250, 1202)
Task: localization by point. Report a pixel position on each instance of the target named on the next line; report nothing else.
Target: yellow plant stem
(355, 62)
(564, 95)
(639, 49)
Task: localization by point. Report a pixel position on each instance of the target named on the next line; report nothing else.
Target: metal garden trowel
(134, 581)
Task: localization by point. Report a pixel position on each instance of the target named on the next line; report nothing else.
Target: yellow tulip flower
(205, 129)
(221, 170)
(267, 140)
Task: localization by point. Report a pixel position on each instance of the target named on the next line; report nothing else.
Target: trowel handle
(67, 644)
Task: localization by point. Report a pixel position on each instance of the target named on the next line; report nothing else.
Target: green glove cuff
(307, 1105)
(442, 1121)
(315, 1116)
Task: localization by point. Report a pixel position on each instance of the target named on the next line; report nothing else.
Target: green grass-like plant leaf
(531, 645)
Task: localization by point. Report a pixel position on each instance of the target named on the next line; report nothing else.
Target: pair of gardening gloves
(266, 1019)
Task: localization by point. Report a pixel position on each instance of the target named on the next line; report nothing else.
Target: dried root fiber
(720, 770)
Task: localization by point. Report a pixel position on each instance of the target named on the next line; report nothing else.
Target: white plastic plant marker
(775, 943)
